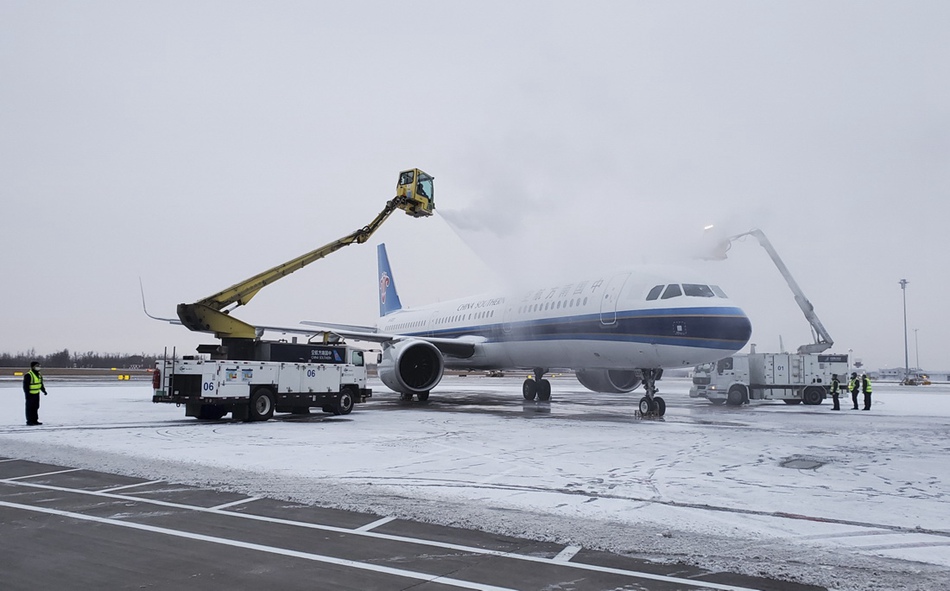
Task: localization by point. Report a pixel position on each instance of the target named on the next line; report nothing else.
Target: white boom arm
(823, 340)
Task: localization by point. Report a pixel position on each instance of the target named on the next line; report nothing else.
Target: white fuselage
(604, 322)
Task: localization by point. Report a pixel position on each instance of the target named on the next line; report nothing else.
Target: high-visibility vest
(36, 382)
(866, 385)
(851, 385)
(835, 386)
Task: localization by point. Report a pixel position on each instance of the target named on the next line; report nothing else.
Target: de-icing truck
(803, 376)
(252, 378)
(295, 378)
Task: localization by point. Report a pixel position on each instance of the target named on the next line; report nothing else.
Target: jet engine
(411, 366)
(614, 381)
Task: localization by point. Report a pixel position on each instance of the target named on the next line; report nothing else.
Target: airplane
(615, 330)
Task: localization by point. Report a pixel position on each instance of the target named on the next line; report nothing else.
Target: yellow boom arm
(414, 195)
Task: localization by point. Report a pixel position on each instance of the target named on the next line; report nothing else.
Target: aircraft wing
(461, 347)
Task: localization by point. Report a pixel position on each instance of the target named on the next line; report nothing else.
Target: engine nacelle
(411, 366)
(614, 381)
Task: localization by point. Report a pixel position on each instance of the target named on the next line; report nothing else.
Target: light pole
(904, 283)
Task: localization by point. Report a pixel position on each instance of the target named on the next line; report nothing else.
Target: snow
(847, 500)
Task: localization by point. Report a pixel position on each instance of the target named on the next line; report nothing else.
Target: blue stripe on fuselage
(718, 328)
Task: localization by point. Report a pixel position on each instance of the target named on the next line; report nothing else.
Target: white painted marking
(375, 524)
(234, 503)
(8, 460)
(108, 490)
(393, 538)
(44, 474)
(567, 554)
(262, 548)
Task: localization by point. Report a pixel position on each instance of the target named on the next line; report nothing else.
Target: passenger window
(719, 292)
(696, 290)
(655, 292)
(672, 291)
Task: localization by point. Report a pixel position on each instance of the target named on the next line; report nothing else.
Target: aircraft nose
(741, 329)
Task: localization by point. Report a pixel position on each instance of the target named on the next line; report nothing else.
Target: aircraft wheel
(529, 389)
(407, 396)
(422, 396)
(544, 391)
(646, 406)
(660, 406)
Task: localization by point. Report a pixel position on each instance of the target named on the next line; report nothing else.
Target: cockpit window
(697, 290)
(719, 292)
(672, 290)
(655, 292)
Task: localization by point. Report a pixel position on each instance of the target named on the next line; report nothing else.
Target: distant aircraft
(615, 330)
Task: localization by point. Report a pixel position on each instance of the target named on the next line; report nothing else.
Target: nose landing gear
(651, 405)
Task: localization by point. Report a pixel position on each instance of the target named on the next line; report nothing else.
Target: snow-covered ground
(848, 500)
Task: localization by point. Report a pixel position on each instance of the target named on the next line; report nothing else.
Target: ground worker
(853, 386)
(835, 390)
(32, 386)
(866, 388)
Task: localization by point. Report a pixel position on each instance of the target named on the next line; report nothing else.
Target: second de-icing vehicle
(803, 376)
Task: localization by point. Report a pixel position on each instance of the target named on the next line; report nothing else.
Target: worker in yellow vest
(866, 389)
(835, 391)
(32, 386)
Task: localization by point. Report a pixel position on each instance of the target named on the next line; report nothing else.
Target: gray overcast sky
(197, 143)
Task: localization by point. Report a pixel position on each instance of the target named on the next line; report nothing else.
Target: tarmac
(67, 528)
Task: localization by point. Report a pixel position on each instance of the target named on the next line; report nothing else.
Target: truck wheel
(795, 401)
(813, 395)
(344, 402)
(261, 406)
(737, 395)
(716, 401)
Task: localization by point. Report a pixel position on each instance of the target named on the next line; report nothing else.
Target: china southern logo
(383, 285)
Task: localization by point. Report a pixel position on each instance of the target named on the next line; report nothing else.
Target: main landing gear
(537, 388)
(651, 405)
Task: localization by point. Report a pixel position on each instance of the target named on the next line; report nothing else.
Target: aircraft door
(608, 303)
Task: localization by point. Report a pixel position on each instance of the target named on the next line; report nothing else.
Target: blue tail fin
(388, 298)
